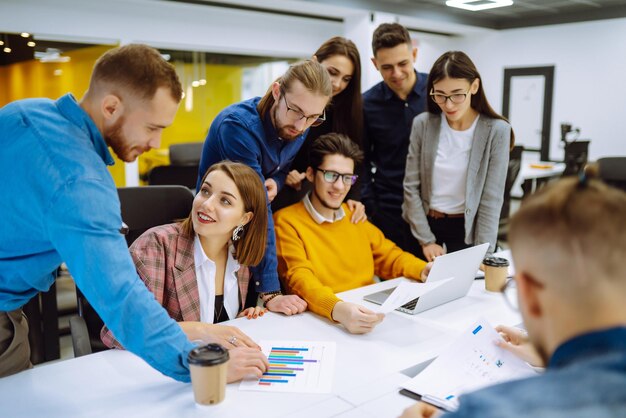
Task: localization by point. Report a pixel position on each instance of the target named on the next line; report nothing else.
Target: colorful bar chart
(305, 367)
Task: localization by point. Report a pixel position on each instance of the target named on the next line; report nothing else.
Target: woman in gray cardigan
(457, 162)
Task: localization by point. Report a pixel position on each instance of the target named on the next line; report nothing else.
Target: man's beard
(323, 202)
(118, 142)
(283, 131)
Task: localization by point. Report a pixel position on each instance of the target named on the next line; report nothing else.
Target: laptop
(461, 265)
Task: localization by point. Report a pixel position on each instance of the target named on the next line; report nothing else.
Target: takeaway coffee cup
(496, 272)
(208, 373)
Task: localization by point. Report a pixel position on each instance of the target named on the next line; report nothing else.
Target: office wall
(589, 85)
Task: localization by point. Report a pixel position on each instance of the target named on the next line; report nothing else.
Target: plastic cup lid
(208, 355)
(496, 262)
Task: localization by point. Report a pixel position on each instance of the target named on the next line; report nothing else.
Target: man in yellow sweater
(320, 252)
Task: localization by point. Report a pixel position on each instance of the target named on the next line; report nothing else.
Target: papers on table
(470, 363)
(296, 366)
(406, 292)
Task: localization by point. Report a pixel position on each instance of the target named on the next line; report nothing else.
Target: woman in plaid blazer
(198, 268)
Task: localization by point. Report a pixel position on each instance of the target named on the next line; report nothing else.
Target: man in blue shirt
(60, 204)
(568, 246)
(388, 111)
(265, 133)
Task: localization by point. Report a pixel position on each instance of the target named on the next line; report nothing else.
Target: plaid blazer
(164, 259)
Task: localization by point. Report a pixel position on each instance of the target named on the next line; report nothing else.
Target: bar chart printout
(296, 366)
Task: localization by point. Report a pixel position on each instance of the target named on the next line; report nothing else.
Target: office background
(589, 56)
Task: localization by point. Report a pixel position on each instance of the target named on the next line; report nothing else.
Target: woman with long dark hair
(344, 115)
(457, 162)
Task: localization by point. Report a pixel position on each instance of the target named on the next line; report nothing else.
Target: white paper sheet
(470, 363)
(406, 292)
(296, 366)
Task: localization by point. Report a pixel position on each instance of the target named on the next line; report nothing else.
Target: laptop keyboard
(410, 305)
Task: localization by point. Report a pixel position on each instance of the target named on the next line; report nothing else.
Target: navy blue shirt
(239, 134)
(387, 127)
(60, 204)
(586, 377)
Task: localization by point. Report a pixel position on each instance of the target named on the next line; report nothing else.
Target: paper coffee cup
(496, 272)
(207, 365)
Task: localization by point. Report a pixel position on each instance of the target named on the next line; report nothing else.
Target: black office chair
(187, 153)
(142, 208)
(184, 175)
(576, 154)
(612, 170)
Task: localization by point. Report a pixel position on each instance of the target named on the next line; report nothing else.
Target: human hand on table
(245, 361)
(425, 271)
(224, 335)
(252, 313)
(517, 342)
(432, 250)
(287, 304)
(355, 318)
(421, 410)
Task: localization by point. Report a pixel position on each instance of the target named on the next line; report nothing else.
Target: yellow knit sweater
(315, 261)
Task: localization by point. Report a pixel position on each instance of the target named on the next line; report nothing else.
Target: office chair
(612, 170)
(575, 157)
(142, 208)
(187, 153)
(184, 175)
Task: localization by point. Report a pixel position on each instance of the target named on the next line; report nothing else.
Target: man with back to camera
(265, 133)
(61, 205)
(388, 109)
(568, 245)
(321, 252)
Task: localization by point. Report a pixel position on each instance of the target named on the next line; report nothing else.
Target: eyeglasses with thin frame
(509, 291)
(332, 176)
(456, 98)
(297, 115)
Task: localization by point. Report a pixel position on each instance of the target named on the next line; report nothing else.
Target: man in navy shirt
(266, 133)
(60, 204)
(568, 245)
(389, 108)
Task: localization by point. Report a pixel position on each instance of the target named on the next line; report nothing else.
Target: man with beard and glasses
(568, 243)
(320, 252)
(60, 204)
(266, 133)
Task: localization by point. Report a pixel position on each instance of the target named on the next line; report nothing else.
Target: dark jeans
(449, 231)
(395, 229)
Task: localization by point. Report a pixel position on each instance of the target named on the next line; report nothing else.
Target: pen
(445, 404)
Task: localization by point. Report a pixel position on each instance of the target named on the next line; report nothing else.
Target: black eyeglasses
(332, 176)
(456, 98)
(296, 115)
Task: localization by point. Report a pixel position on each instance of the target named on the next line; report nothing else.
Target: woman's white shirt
(205, 275)
(450, 169)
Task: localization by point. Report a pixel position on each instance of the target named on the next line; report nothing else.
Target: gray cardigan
(486, 175)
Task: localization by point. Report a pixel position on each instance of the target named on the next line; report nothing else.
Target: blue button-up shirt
(60, 204)
(586, 377)
(387, 127)
(239, 133)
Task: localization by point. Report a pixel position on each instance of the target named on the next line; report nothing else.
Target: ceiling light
(1, 42)
(7, 49)
(476, 5)
(24, 34)
(31, 44)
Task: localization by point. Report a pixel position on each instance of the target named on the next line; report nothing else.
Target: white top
(205, 275)
(450, 170)
(318, 217)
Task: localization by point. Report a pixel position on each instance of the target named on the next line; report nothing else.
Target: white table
(367, 372)
(533, 175)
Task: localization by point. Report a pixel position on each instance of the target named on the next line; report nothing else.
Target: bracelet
(271, 295)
